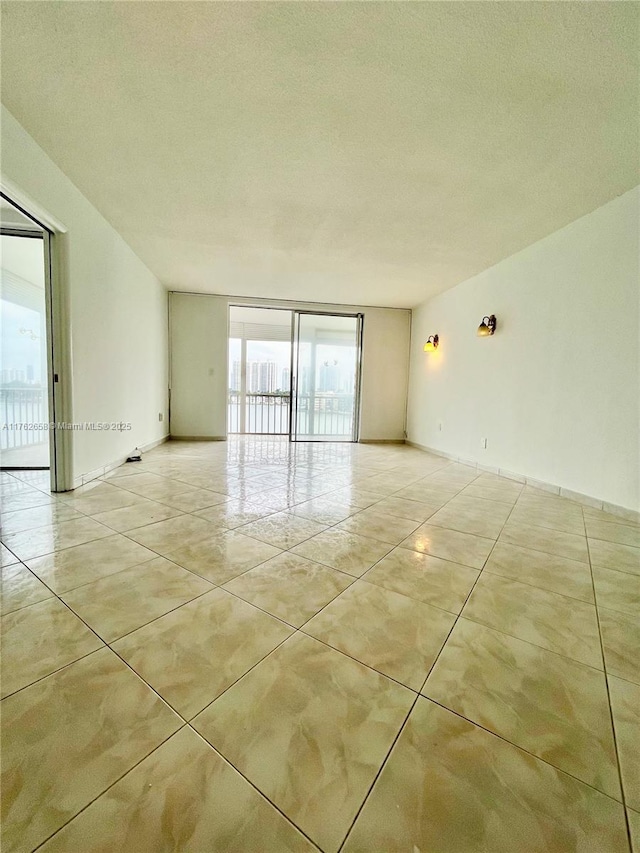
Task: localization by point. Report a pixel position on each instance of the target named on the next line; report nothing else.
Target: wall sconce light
(432, 343)
(487, 327)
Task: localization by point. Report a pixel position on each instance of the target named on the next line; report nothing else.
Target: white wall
(199, 346)
(116, 307)
(385, 374)
(556, 391)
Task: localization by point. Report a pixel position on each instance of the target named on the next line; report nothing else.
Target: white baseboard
(100, 472)
(554, 488)
(197, 437)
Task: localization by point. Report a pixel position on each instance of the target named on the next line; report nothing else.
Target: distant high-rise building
(286, 379)
(261, 376)
(30, 373)
(304, 382)
(329, 376)
(235, 380)
(10, 374)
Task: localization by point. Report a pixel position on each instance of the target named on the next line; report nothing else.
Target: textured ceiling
(371, 153)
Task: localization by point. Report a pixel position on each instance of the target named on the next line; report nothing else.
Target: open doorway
(25, 436)
(294, 373)
(326, 376)
(259, 371)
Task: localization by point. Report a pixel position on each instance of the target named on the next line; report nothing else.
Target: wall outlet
(483, 443)
(160, 417)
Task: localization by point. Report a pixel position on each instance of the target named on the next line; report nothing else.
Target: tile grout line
(471, 722)
(108, 788)
(378, 773)
(299, 630)
(506, 740)
(185, 722)
(215, 586)
(523, 749)
(420, 694)
(255, 788)
(611, 714)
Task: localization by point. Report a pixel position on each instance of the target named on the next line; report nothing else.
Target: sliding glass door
(24, 403)
(325, 376)
(259, 370)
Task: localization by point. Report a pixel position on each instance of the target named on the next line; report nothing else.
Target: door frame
(242, 414)
(296, 313)
(57, 330)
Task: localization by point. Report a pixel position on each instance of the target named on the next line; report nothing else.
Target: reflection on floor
(258, 646)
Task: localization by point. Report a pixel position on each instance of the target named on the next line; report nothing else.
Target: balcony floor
(27, 456)
(263, 646)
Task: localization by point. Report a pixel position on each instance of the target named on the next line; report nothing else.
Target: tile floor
(254, 646)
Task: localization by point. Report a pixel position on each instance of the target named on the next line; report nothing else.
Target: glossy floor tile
(309, 727)
(625, 702)
(290, 587)
(555, 518)
(617, 590)
(610, 532)
(342, 550)
(438, 582)
(569, 545)
(469, 515)
(121, 603)
(465, 548)
(621, 641)
(100, 497)
(548, 571)
(54, 537)
(233, 513)
(40, 639)
(451, 786)
(24, 499)
(492, 491)
(165, 536)
(194, 500)
(283, 530)
(258, 645)
(224, 556)
(405, 508)
(553, 707)
(184, 796)
(634, 829)
(374, 524)
(191, 655)
(394, 634)
(7, 558)
(555, 622)
(613, 555)
(324, 511)
(19, 587)
(41, 516)
(72, 567)
(70, 736)
(140, 514)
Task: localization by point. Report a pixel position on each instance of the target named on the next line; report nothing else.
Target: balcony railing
(23, 406)
(322, 413)
(266, 414)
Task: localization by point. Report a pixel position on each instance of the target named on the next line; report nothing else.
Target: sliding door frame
(56, 323)
(296, 315)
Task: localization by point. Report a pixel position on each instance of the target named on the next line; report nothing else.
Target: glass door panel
(326, 372)
(259, 370)
(24, 405)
